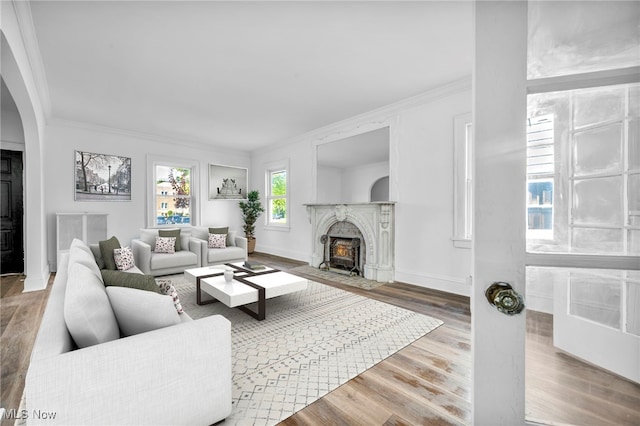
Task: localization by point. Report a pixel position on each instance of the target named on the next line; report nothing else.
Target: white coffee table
(247, 286)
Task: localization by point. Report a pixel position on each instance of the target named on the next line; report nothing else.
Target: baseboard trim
(37, 283)
(459, 286)
(289, 254)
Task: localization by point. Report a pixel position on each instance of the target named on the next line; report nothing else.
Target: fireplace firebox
(344, 254)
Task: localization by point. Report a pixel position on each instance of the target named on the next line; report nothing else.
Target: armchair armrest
(174, 375)
(242, 242)
(142, 255)
(196, 246)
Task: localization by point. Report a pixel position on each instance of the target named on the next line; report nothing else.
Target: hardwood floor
(427, 383)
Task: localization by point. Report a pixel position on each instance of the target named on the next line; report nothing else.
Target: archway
(21, 88)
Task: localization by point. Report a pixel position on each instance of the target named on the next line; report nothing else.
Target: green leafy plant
(251, 209)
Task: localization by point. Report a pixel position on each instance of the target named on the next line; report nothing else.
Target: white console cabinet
(88, 227)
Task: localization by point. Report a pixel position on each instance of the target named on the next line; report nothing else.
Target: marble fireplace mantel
(376, 223)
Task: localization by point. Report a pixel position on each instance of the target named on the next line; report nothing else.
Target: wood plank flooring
(426, 383)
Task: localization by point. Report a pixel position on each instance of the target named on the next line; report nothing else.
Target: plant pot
(251, 245)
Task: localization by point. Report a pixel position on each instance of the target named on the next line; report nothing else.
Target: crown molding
(380, 115)
(180, 140)
(29, 39)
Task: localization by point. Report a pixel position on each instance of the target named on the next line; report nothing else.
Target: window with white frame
(277, 195)
(463, 178)
(172, 189)
(540, 178)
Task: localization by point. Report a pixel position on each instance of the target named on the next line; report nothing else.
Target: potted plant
(251, 209)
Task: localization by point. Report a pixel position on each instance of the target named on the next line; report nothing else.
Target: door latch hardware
(504, 298)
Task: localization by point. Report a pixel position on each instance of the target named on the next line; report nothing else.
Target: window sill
(461, 243)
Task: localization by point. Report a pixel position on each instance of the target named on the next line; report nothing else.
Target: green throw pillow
(130, 280)
(106, 249)
(223, 230)
(171, 233)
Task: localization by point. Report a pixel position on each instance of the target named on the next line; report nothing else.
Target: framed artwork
(102, 177)
(227, 183)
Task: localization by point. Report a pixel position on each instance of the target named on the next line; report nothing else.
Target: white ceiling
(243, 75)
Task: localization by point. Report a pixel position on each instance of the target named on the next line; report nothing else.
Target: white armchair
(152, 263)
(235, 251)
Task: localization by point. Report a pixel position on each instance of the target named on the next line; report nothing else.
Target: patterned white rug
(310, 343)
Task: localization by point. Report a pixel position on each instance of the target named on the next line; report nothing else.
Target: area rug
(310, 343)
(354, 281)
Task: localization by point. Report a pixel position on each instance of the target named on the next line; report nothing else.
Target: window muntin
(277, 197)
(172, 195)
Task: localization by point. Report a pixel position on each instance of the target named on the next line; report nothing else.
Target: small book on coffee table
(252, 266)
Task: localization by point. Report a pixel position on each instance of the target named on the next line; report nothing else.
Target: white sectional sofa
(177, 374)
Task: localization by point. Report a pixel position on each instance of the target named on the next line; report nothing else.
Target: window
(172, 194)
(463, 178)
(595, 211)
(540, 173)
(540, 178)
(277, 196)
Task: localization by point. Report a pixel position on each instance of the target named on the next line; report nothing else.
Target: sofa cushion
(139, 311)
(217, 241)
(78, 255)
(124, 279)
(123, 258)
(221, 256)
(165, 245)
(78, 243)
(106, 249)
(172, 233)
(95, 249)
(178, 259)
(87, 311)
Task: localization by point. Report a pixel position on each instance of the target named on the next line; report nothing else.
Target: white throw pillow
(217, 241)
(166, 287)
(139, 311)
(124, 258)
(165, 245)
(87, 311)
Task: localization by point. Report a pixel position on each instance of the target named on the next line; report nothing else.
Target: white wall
(127, 217)
(421, 175)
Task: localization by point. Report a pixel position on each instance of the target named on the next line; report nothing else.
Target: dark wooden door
(11, 208)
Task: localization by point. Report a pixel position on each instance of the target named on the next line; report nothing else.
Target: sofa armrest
(242, 243)
(174, 375)
(199, 247)
(195, 246)
(142, 255)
